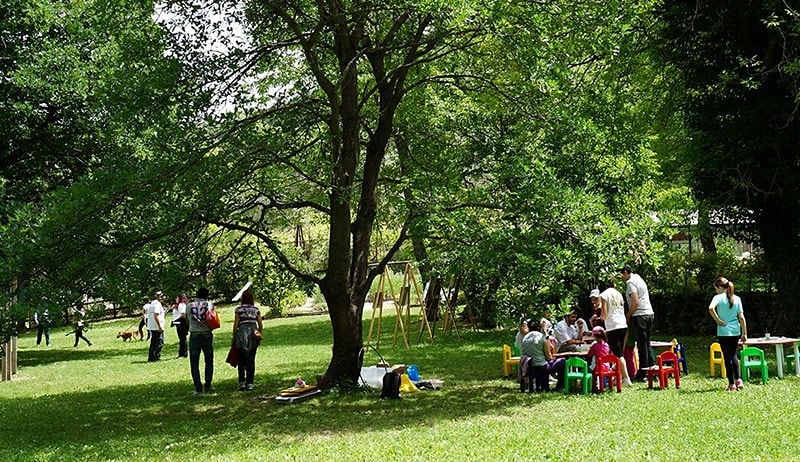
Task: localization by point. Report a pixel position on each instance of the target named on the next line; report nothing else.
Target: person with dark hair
(181, 324)
(726, 309)
(569, 332)
(155, 326)
(612, 312)
(143, 322)
(201, 340)
(247, 330)
(79, 327)
(542, 362)
(640, 318)
(42, 326)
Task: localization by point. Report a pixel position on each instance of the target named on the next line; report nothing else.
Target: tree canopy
(519, 145)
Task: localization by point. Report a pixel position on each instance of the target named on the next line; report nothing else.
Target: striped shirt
(248, 314)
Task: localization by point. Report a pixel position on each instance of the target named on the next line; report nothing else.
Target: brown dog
(126, 335)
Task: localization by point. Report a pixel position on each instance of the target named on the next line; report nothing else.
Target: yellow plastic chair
(509, 362)
(577, 369)
(715, 357)
(753, 358)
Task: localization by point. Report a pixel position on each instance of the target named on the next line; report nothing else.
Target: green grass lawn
(106, 402)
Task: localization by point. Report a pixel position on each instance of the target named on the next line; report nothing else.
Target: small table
(660, 344)
(570, 354)
(778, 343)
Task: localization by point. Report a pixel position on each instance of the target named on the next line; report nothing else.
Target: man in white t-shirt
(640, 318)
(155, 324)
(569, 332)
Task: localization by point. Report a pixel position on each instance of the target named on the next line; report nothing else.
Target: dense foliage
(739, 62)
(527, 149)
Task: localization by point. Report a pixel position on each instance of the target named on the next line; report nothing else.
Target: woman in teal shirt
(726, 309)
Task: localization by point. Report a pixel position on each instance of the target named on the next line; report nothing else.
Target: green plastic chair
(753, 358)
(577, 369)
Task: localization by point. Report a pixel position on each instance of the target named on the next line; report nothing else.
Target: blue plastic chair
(680, 352)
(577, 369)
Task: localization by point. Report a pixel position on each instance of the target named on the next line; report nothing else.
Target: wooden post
(14, 354)
(450, 312)
(5, 364)
(377, 305)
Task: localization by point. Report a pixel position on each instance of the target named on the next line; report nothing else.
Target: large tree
(331, 111)
(739, 61)
(312, 137)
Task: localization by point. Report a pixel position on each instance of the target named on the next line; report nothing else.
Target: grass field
(106, 402)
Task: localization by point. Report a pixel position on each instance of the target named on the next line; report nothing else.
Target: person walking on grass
(201, 340)
(79, 327)
(726, 309)
(247, 330)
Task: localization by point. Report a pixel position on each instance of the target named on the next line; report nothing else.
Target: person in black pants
(43, 327)
(181, 324)
(726, 309)
(79, 334)
(247, 327)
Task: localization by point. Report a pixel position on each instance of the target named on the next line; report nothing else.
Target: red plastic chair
(667, 364)
(608, 366)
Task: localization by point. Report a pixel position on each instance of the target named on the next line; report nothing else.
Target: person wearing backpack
(201, 340)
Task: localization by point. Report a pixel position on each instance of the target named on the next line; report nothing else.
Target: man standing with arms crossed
(640, 318)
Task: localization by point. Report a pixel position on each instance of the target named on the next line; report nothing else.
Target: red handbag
(212, 319)
(233, 356)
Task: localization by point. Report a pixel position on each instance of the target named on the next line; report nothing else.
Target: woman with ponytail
(726, 309)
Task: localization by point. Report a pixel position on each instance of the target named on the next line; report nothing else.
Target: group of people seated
(539, 343)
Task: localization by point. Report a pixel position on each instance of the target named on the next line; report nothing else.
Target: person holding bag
(201, 340)
(247, 328)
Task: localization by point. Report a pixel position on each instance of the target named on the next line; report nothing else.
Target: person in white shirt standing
(612, 312)
(640, 317)
(155, 324)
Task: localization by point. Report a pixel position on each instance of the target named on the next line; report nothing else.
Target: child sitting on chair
(598, 349)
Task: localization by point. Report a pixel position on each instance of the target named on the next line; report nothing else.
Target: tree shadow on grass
(40, 357)
(109, 421)
(139, 421)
